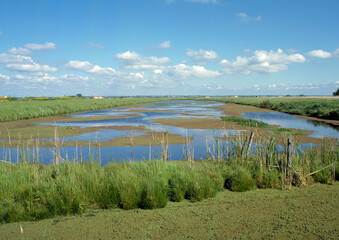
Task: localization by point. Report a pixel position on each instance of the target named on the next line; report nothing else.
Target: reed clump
(32, 191)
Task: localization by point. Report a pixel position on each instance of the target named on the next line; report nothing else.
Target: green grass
(259, 124)
(34, 191)
(312, 107)
(27, 109)
(300, 213)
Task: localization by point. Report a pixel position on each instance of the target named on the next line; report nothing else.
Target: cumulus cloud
(10, 58)
(202, 56)
(212, 86)
(132, 60)
(19, 51)
(30, 67)
(33, 80)
(182, 71)
(245, 18)
(4, 77)
(74, 78)
(45, 46)
(166, 44)
(262, 61)
(323, 54)
(90, 68)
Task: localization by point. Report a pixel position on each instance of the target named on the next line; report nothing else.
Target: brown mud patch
(82, 119)
(150, 138)
(200, 123)
(232, 109)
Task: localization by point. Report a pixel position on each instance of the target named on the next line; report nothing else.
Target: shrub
(323, 176)
(239, 179)
(265, 104)
(267, 179)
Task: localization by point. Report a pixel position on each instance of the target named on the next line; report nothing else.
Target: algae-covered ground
(299, 213)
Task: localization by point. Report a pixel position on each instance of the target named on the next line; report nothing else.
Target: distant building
(207, 97)
(3, 96)
(236, 96)
(97, 97)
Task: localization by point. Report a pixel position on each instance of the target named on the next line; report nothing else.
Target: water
(203, 139)
(285, 120)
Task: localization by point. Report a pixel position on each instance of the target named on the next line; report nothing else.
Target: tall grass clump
(239, 179)
(34, 191)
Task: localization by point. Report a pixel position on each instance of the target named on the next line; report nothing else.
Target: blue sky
(158, 47)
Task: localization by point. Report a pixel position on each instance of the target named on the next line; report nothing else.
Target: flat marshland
(257, 183)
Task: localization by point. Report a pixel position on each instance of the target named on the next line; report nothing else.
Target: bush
(239, 179)
(324, 176)
(267, 179)
(265, 104)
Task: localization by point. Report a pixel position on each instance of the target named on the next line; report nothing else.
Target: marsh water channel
(138, 133)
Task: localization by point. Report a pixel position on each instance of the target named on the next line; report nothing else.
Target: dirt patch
(199, 123)
(232, 109)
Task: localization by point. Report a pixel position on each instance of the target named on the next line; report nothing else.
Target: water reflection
(287, 121)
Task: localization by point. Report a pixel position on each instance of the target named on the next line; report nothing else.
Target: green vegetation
(259, 124)
(336, 93)
(40, 107)
(31, 191)
(300, 213)
(326, 108)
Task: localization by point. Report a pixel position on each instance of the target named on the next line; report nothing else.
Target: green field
(35, 108)
(326, 108)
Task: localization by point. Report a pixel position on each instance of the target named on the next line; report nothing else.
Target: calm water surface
(202, 138)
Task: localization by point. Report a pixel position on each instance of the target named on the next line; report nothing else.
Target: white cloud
(335, 53)
(45, 46)
(323, 54)
(262, 61)
(182, 71)
(166, 44)
(4, 77)
(19, 51)
(74, 78)
(319, 53)
(132, 60)
(30, 67)
(10, 58)
(212, 86)
(33, 80)
(245, 18)
(202, 56)
(90, 68)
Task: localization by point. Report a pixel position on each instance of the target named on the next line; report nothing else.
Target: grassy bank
(33, 191)
(27, 109)
(311, 107)
(259, 124)
(300, 213)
